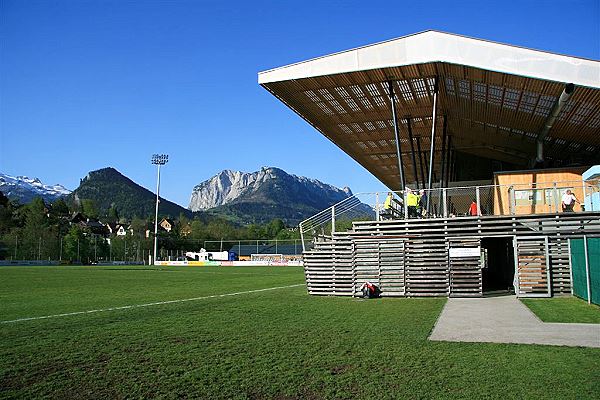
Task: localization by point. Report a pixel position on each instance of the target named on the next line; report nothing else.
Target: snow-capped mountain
(24, 189)
(266, 194)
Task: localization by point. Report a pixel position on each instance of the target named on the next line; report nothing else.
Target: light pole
(158, 159)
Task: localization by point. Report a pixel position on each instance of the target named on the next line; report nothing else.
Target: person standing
(568, 201)
(412, 200)
(387, 207)
(422, 203)
(473, 209)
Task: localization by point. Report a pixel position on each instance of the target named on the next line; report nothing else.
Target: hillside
(107, 187)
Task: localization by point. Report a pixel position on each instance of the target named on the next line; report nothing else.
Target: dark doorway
(499, 272)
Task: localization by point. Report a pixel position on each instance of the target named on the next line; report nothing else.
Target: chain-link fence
(94, 249)
(100, 250)
(514, 199)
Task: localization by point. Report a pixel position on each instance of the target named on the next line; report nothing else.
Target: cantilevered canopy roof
(494, 101)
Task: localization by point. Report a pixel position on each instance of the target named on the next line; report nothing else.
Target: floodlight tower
(158, 159)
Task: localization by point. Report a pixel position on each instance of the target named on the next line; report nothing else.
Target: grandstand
(468, 121)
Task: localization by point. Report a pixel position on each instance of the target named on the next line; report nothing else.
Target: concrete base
(507, 320)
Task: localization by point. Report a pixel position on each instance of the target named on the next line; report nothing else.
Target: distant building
(167, 224)
(121, 230)
(91, 225)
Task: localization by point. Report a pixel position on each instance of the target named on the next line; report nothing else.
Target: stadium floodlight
(158, 160)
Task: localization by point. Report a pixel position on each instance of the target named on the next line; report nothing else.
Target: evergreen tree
(60, 208)
(89, 209)
(76, 245)
(113, 214)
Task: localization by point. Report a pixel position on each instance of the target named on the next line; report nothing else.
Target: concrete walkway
(507, 320)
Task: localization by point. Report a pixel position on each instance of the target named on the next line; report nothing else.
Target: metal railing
(450, 202)
(360, 206)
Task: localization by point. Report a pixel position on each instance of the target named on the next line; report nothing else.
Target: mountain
(107, 187)
(24, 189)
(266, 194)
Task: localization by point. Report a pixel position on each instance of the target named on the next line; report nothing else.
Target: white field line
(158, 303)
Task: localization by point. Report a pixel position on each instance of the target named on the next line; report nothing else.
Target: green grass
(280, 344)
(564, 309)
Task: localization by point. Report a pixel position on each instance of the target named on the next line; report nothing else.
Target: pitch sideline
(146, 304)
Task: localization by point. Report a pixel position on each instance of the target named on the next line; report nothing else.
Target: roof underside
(489, 113)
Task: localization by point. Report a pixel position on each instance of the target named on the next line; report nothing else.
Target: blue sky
(90, 84)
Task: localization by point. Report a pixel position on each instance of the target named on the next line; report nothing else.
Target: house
(121, 230)
(91, 225)
(167, 224)
(111, 227)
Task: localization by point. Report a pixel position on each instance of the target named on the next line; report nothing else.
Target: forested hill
(108, 188)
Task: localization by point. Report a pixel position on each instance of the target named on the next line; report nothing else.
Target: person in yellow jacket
(387, 205)
(412, 201)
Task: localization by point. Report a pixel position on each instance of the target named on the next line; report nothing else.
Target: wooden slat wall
(465, 272)
(416, 263)
(426, 267)
(531, 267)
(328, 268)
(366, 264)
(392, 267)
(560, 270)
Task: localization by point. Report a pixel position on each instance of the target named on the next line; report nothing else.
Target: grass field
(280, 343)
(564, 309)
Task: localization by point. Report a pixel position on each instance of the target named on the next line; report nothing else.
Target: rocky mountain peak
(269, 184)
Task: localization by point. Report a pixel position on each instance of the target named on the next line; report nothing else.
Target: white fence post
(445, 200)
(376, 206)
(332, 220)
(511, 200)
(555, 195)
(478, 201)
(583, 201)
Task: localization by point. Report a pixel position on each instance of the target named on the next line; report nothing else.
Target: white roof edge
(434, 46)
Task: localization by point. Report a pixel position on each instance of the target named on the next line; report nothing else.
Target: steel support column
(412, 150)
(397, 134)
(448, 157)
(442, 163)
(432, 145)
(421, 160)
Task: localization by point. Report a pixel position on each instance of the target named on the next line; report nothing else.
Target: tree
(254, 231)
(274, 227)
(198, 230)
(113, 214)
(7, 221)
(139, 226)
(76, 245)
(36, 224)
(88, 208)
(123, 248)
(60, 208)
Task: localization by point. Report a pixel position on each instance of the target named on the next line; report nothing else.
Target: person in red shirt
(473, 209)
